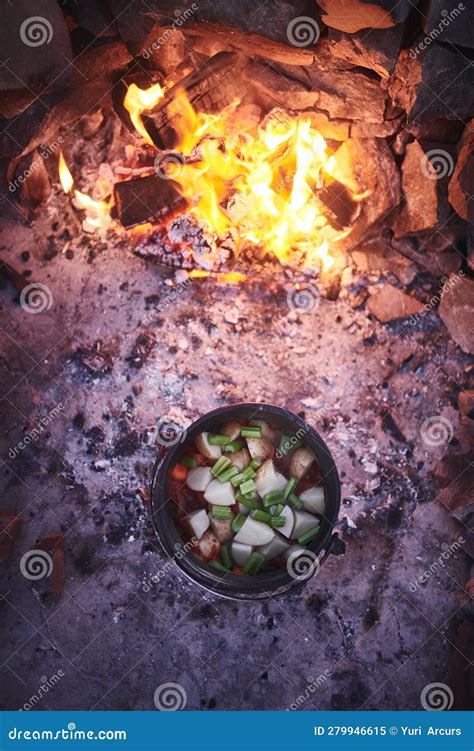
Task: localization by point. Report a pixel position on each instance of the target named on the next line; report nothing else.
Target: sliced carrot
(237, 570)
(179, 472)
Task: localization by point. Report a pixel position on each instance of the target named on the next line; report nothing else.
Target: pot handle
(336, 546)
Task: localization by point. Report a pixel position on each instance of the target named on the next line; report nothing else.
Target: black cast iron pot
(267, 584)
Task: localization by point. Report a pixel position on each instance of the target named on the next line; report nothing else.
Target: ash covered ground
(118, 354)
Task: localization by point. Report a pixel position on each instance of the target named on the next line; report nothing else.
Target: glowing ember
(261, 179)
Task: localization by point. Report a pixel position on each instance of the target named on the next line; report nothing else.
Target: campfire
(268, 181)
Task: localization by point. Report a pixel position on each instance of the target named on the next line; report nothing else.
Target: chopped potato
(199, 478)
(267, 431)
(241, 552)
(222, 529)
(313, 500)
(254, 533)
(260, 448)
(208, 547)
(240, 459)
(268, 479)
(198, 523)
(275, 547)
(289, 515)
(220, 493)
(303, 522)
(232, 429)
(205, 448)
(301, 461)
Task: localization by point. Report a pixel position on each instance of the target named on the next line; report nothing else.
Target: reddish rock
(466, 403)
(353, 15)
(420, 185)
(461, 187)
(457, 310)
(389, 304)
(376, 49)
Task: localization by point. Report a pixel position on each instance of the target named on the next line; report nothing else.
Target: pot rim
(265, 585)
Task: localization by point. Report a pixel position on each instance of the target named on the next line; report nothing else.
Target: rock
(339, 92)
(421, 209)
(366, 166)
(451, 21)
(455, 475)
(466, 403)
(461, 187)
(390, 303)
(354, 15)
(434, 83)
(377, 255)
(35, 42)
(376, 49)
(457, 310)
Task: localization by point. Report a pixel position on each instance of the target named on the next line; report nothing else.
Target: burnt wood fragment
(147, 199)
(354, 15)
(209, 89)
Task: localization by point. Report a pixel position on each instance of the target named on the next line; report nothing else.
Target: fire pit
(202, 206)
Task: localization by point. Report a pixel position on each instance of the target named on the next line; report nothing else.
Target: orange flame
(137, 101)
(65, 177)
(98, 212)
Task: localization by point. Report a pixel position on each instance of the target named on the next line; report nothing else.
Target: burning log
(147, 199)
(209, 89)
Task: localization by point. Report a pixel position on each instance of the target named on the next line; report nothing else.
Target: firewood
(209, 89)
(147, 199)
